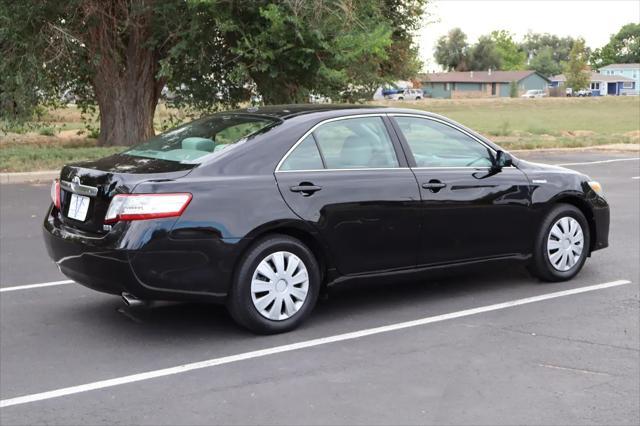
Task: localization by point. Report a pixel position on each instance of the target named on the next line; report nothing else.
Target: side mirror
(501, 160)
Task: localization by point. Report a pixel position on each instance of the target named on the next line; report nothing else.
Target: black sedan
(261, 208)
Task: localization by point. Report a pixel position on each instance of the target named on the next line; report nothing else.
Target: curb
(27, 177)
(633, 148)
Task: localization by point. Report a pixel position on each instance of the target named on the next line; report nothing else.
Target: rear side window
(193, 141)
(305, 157)
(356, 143)
(352, 143)
(434, 144)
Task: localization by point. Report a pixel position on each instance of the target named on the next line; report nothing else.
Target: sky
(593, 20)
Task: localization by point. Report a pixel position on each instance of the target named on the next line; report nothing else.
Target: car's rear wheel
(276, 285)
(562, 244)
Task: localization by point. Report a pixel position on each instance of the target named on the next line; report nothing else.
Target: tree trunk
(124, 81)
(128, 101)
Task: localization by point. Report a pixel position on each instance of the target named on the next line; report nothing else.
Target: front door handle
(434, 185)
(305, 188)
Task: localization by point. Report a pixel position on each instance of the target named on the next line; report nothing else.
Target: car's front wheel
(276, 285)
(562, 244)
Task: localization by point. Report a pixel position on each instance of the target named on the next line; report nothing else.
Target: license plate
(78, 207)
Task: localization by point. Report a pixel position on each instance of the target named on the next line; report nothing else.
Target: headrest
(198, 144)
(356, 152)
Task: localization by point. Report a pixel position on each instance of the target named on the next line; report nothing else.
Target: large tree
(452, 50)
(512, 58)
(534, 43)
(623, 48)
(576, 74)
(547, 53)
(119, 54)
(484, 55)
(290, 48)
(544, 62)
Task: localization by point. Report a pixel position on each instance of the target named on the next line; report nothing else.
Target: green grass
(28, 156)
(598, 114)
(47, 131)
(547, 122)
(60, 136)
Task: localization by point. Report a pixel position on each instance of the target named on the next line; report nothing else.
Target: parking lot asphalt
(567, 360)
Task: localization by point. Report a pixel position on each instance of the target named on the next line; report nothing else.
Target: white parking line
(599, 162)
(39, 285)
(295, 346)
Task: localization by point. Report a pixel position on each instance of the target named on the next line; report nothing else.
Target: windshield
(193, 141)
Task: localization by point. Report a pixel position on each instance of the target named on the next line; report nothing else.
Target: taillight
(146, 206)
(55, 193)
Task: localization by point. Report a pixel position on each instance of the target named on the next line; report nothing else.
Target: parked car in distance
(406, 95)
(319, 99)
(579, 93)
(261, 208)
(534, 94)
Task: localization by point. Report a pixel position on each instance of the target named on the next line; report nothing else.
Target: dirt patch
(634, 135)
(65, 138)
(612, 147)
(69, 134)
(578, 133)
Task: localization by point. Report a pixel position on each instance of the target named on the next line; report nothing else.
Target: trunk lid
(101, 179)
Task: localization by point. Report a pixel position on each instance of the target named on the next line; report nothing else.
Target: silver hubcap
(565, 243)
(279, 286)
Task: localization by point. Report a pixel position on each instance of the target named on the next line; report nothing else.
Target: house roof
(620, 66)
(476, 76)
(595, 77)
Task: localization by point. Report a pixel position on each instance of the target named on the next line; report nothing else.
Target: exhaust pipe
(131, 301)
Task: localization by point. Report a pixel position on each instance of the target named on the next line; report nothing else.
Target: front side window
(192, 141)
(435, 144)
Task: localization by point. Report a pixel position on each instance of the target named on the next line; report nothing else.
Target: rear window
(193, 141)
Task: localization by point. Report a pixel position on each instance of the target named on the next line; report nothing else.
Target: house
(480, 84)
(602, 84)
(625, 70)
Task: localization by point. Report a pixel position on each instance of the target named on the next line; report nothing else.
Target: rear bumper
(143, 259)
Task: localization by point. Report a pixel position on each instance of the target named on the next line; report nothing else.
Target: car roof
(332, 110)
(293, 110)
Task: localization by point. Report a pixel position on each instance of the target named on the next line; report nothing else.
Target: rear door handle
(306, 189)
(434, 185)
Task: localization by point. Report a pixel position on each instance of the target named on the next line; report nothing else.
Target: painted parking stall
(429, 347)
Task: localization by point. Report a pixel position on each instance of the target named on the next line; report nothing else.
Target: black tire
(239, 301)
(541, 266)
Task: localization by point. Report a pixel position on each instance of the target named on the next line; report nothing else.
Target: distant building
(603, 85)
(480, 84)
(631, 71)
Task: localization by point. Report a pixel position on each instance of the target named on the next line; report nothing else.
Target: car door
(469, 209)
(349, 178)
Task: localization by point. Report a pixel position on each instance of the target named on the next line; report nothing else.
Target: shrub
(513, 89)
(47, 131)
(503, 129)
